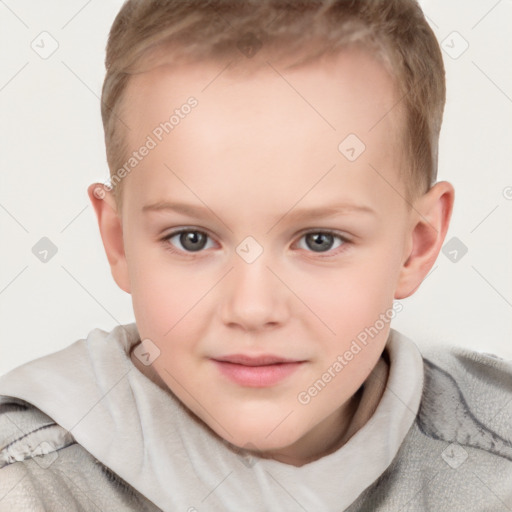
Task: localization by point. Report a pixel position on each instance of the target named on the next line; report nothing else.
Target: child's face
(253, 153)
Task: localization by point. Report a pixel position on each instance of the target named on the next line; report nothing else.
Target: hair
(145, 32)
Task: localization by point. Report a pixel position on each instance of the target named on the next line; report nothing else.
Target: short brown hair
(395, 31)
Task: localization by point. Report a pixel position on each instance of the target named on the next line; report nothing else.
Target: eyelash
(327, 254)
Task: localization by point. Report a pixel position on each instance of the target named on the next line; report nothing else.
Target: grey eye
(191, 241)
(321, 242)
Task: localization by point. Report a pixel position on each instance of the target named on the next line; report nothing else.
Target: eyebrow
(291, 215)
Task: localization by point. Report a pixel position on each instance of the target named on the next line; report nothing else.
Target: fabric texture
(84, 429)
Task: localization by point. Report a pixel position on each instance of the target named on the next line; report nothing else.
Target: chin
(259, 438)
(256, 429)
(256, 446)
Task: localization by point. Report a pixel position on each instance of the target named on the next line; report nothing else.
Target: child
(295, 143)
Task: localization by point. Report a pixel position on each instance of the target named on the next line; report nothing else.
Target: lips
(263, 360)
(256, 371)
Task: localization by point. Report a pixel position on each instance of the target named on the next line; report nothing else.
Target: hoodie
(83, 429)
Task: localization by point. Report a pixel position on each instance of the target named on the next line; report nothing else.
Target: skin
(255, 151)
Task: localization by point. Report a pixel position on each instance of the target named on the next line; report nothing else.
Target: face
(257, 250)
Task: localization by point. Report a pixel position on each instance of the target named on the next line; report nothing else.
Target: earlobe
(109, 223)
(431, 221)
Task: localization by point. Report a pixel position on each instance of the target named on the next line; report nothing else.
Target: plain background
(52, 149)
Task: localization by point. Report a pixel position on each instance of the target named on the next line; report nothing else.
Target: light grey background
(52, 148)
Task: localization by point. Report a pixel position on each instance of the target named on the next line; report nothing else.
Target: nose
(253, 298)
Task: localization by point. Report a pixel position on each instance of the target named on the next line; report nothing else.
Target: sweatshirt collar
(145, 434)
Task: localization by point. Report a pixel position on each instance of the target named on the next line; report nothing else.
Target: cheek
(164, 295)
(349, 298)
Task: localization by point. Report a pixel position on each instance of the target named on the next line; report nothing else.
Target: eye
(191, 240)
(322, 241)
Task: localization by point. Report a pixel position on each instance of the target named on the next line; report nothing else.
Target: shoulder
(460, 360)
(458, 453)
(467, 398)
(467, 388)
(42, 467)
(464, 427)
(26, 432)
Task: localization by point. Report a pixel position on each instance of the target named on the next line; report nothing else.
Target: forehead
(274, 131)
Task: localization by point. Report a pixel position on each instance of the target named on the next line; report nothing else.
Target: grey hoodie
(84, 430)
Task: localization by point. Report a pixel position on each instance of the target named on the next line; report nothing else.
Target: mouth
(257, 372)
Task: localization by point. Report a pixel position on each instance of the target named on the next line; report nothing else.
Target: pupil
(320, 241)
(192, 240)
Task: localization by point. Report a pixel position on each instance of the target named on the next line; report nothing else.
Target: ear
(111, 229)
(429, 223)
